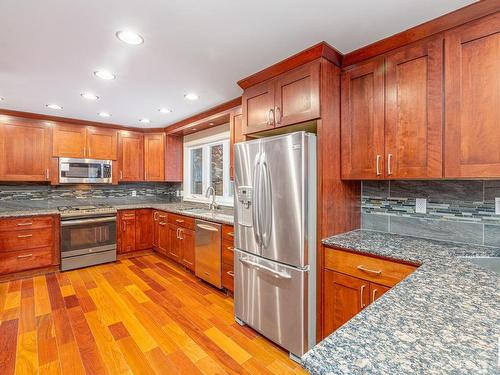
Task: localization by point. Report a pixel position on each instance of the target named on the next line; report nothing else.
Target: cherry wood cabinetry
(392, 114)
(472, 104)
(228, 257)
(24, 152)
(352, 281)
(236, 135)
(154, 157)
(187, 244)
(174, 167)
(28, 243)
(131, 156)
(160, 232)
(126, 238)
(75, 141)
(144, 229)
(181, 240)
(290, 98)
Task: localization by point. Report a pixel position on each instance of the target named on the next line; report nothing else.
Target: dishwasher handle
(208, 227)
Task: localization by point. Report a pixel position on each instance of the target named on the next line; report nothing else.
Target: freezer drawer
(272, 299)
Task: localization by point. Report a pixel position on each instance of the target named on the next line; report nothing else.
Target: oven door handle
(70, 223)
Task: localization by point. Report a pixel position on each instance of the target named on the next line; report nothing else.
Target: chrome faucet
(212, 205)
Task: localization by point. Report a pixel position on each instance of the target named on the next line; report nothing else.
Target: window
(206, 163)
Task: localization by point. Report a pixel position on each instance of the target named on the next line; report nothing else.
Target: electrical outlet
(421, 206)
(497, 206)
(134, 193)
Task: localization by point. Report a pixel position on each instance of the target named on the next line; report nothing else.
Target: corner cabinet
(24, 152)
(290, 98)
(472, 104)
(391, 115)
(131, 156)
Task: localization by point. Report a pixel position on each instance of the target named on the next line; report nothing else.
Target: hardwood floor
(141, 315)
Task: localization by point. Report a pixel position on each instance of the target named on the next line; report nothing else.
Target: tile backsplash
(459, 211)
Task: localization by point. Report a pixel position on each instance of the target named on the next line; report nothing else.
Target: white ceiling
(49, 49)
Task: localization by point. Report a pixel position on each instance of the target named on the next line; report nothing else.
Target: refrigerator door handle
(266, 221)
(256, 195)
(278, 275)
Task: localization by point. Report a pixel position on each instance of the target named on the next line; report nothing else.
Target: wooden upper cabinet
(413, 104)
(362, 117)
(69, 141)
(174, 150)
(154, 157)
(236, 135)
(472, 100)
(297, 95)
(102, 143)
(24, 152)
(131, 156)
(258, 107)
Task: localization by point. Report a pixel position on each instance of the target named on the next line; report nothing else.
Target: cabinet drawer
(228, 233)
(228, 276)
(381, 271)
(181, 221)
(26, 239)
(24, 223)
(160, 216)
(129, 214)
(16, 261)
(228, 253)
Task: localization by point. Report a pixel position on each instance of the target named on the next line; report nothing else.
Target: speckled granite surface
(442, 319)
(29, 208)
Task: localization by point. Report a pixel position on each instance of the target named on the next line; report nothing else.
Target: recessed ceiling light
(145, 120)
(1, 98)
(54, 106)
(130, 37)
(104, 74)
(191, 96)
(165, 110)
(104, 114)
(89, 96)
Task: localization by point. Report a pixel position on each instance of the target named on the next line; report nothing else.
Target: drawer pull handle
(162, 223)
(374, 295)
(179, 221)
(230, 234)
(175, 255)
(24, 224)
(162, 216)
(367, 270)
(24, 256)
(24, 235)
(361, 292)
(230, 248)
(230, 273)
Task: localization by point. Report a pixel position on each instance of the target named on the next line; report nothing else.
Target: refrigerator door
(272, 299)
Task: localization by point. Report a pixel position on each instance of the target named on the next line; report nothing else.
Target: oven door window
(88, 236)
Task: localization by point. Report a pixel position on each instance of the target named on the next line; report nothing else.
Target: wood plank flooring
(141, 315)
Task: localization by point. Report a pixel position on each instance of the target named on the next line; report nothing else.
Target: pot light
(191, 96)
(89, 96)
(1, 98)
(104, 114)
(165, 110)
(130, 37)
(53, 106)
(104, 74)
(145, 120)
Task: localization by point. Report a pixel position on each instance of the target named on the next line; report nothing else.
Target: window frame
(205, 144)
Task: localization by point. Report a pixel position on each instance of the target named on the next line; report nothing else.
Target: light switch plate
(497, 206)
(421, 206)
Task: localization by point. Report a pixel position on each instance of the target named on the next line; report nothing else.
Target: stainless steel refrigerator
(275, 239)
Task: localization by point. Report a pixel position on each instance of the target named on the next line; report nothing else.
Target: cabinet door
(345, 296)
(131, 156)
(236, 135)
(174, 249)
(154, 157)
(24, 152)
(414, 120)
(472, 100)
(174, 151)
(143, 229)
(163, 236)
(228, 276)
(126, 237)
(376, 291)
(69, 141)
(297, 95)
(102, 143)
(362, 121)
(187, 254)
(156, 229)
(258, 107)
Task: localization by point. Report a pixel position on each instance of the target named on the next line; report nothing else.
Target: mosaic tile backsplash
(459, 211)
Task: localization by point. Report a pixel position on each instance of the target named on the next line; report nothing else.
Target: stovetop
(87, 210)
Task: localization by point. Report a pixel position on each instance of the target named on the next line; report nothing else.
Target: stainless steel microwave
(84, 171)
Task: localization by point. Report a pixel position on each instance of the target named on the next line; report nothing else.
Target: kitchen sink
(491, 263)
(207, 212)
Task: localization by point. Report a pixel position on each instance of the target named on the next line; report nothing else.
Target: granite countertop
(30, 208)
(443, 318)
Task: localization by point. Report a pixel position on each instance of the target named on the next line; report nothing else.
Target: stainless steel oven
(91, 171)
(86, 241)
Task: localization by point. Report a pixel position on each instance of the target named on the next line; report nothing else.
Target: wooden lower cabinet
(160, 232)
(126, 231)
(347, 291)
(143, 229)
(228, 257)
(181, 245)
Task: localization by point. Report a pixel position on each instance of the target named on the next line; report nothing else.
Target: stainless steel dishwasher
(208, 252)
